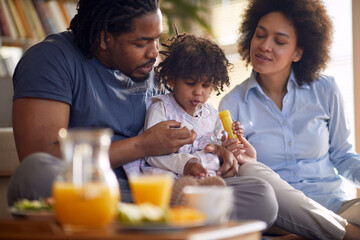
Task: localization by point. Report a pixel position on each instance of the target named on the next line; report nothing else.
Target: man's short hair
(115, 16)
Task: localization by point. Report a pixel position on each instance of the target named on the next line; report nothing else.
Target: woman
(290, 113)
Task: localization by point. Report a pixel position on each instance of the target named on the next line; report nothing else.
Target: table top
(35, 229)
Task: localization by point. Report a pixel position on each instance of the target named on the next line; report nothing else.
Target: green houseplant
(185, 13)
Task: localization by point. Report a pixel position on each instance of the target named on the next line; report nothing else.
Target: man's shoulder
(50, 66)
(55, 45)
(63, 41)
(61, 37)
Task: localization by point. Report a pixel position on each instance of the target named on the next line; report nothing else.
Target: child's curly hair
(313, 29)
(196, 58)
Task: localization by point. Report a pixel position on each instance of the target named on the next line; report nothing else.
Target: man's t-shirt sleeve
(43, 72)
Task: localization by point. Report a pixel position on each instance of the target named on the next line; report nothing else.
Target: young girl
(190, 83)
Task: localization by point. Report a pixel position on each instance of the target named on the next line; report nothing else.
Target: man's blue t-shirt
(99, 97)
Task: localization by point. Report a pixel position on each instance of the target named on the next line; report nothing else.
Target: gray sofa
(8, 162)
(6, 93)
(8, 156)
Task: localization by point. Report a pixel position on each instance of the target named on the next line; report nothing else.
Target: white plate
(33, 214)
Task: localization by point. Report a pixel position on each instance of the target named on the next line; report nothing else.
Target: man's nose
(153, 50)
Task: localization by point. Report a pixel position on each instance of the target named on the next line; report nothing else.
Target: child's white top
(207, 127)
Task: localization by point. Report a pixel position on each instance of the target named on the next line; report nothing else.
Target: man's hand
(194, 168)
(165, 138)
(161, 139)
(229, 167)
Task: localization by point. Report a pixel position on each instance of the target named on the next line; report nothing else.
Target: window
(225, 21)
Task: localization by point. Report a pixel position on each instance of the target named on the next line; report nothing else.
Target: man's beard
(140, 79)
(143, 78)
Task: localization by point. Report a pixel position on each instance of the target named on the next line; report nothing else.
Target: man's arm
(162, 138)
(36, 123)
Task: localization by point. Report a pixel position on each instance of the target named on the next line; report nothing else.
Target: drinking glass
(216, 202)
(155, 189)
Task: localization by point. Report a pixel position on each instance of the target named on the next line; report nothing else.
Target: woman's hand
(229, 167)
(243, 150)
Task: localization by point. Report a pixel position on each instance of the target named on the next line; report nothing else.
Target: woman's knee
(266, 202)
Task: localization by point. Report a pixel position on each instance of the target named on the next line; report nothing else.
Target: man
(99, 74)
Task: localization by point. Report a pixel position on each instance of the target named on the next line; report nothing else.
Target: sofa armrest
(8, 156)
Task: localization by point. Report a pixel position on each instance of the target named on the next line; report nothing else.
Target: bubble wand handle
(227, 122)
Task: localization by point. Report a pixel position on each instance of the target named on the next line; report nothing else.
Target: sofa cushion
(6, 94)
(8, 155)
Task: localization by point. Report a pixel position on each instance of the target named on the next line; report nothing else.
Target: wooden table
(31, 230)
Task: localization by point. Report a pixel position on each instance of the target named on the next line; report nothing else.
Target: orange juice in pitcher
(93, 204)
(87, 192)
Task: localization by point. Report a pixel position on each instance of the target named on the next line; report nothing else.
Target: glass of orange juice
(155, 189)
(87, 192)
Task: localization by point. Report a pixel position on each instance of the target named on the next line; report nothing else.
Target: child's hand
(237, 128)
(194, 168)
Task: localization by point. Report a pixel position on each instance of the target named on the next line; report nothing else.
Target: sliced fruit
(185, 216)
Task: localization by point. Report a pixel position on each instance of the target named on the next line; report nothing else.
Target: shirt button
(284, 123)
(289, 143)
(294, 174)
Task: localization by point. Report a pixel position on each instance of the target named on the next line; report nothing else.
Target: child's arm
(175, 162)
(179, 163)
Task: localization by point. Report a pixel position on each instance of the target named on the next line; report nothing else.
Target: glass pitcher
(87, 192)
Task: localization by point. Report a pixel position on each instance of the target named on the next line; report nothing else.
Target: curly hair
(313, 29)
(196, 58)
(115, 16)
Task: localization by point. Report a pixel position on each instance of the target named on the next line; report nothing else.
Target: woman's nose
(266, 45)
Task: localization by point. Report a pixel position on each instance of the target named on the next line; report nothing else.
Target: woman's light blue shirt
(307, 142)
